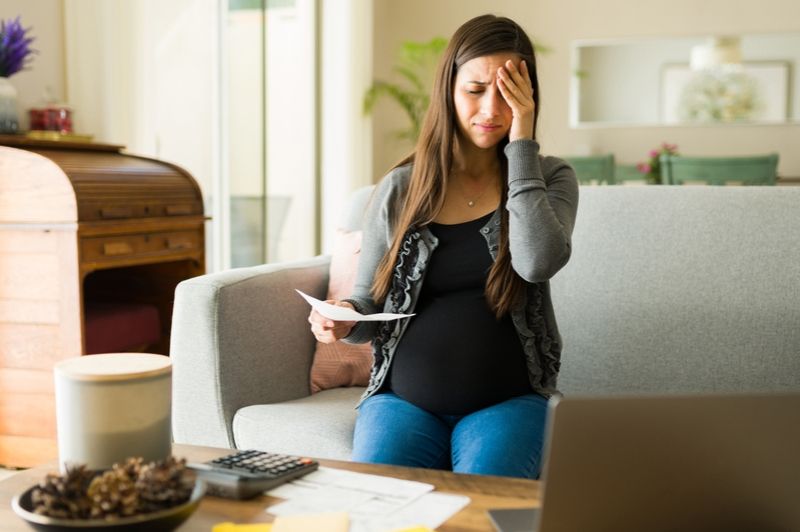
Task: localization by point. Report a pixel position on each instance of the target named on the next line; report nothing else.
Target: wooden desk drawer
(129, 246)
(126, 210)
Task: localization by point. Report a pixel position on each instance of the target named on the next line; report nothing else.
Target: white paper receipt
(335, 313)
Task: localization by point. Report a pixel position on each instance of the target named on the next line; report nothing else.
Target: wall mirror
(733, 79)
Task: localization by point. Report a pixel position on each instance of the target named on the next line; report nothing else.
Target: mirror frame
(789, 63)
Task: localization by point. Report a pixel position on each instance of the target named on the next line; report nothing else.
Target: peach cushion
(340, 364)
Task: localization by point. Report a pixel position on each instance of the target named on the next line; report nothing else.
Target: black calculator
(245, 474)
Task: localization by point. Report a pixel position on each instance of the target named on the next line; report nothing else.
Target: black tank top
(455, 357)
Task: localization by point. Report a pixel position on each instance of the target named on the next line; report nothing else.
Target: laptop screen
(672, 463)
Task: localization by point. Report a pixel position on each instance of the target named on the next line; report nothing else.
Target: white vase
(8, 107)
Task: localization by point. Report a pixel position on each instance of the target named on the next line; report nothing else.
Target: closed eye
(475, 87)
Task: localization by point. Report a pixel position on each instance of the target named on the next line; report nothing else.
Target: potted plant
(416, 64)
(652, 168)
(15, 53)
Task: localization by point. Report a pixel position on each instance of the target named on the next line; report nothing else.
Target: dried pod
(64, 496)
(131, 467)
(164, 484)
(113, 495)
(126, 489)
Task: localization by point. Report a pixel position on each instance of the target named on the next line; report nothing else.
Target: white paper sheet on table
(347, 314)
(359, 493)
(375, 503)
(431, 511)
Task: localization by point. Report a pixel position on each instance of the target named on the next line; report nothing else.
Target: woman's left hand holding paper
(327, 330)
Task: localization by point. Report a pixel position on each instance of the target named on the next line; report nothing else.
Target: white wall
(556, 23)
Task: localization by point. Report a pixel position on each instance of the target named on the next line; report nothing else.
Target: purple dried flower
(14, 50)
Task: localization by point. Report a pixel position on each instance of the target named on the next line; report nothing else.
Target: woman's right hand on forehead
(327, 330)
(515, 85)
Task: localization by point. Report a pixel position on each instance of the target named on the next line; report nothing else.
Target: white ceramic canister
(113, 406)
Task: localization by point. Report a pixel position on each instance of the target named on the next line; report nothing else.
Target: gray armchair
(242, 351)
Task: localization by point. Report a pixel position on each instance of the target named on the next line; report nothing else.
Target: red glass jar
(52, 117)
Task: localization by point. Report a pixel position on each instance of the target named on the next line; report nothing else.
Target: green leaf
(415, 65)
(411, 76)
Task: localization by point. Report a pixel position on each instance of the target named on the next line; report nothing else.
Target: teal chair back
(593, 168)
(756, 170)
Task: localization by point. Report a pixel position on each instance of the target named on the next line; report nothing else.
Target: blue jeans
(505, 439)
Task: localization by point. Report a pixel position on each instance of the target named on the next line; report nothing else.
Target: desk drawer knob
(117, 248)
(178, 243)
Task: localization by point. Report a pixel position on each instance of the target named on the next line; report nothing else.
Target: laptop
(676, 463)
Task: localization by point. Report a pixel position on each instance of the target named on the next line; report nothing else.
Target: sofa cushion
(679, 289)
(114, 327)
(318, 426)
(341, 364)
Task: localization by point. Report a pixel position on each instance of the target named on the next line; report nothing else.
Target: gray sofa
(669, 290)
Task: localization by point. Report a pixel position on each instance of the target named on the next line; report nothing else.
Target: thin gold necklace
(458, 184)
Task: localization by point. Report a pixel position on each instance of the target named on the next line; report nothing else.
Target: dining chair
(592, 169)
(751, 170)
(628, 173)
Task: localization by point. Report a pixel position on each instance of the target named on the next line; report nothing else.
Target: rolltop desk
(80, 222)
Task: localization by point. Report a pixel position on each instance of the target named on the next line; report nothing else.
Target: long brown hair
(433, 157)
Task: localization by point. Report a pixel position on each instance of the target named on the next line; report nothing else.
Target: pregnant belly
(456, 357)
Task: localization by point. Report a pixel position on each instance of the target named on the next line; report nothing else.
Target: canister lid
(114, 366)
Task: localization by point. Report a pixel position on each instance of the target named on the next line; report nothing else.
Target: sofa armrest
(240, 338)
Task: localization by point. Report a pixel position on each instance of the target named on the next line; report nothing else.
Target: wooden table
(484, 491)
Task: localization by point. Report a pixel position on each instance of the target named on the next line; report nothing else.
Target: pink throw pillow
(340, 364)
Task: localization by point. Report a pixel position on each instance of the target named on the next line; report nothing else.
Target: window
(269, 99)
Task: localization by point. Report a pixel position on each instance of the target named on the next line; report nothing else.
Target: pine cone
(164, 484)
(113, 495)
(64, 496)
(126, 489)
(132, 467)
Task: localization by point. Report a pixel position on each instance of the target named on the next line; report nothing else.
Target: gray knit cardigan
(542, 204)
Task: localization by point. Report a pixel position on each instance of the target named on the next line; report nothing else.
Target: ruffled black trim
(546, 346)
(406, 271)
